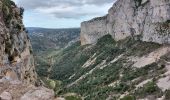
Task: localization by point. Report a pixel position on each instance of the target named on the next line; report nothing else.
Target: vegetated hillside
(43, 39)
(129, 69)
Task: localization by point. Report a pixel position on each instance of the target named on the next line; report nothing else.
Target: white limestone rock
(39, 93)
(150, 19)
(5, 96)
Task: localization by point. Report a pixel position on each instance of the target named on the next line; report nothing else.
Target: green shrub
(6, 8)
(107, 39)
(73, 98)
(18, 26)
(130, 74)
(167, 95)
(8, 3)
(121, 87)
(149, 88)
(128, 97)
(94, 86)
(21, 11)
(52, 84)
(168, 21)
(138, 2)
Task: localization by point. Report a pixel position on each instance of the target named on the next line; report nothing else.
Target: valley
(94, 72)
(111, 59)
(44, 39)
(123, 55)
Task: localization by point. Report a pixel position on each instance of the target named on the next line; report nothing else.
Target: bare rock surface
(149, 18)
(16, 90)
(16, 59)
(17, 71)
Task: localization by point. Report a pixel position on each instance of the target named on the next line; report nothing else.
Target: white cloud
(68, 8)
(66, 11)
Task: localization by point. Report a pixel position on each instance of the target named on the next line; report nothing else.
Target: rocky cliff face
(150, 19)
(17, 71)
(16, 60)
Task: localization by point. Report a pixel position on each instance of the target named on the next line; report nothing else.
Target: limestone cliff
(150, 19)
(16, 60)
(17, 71)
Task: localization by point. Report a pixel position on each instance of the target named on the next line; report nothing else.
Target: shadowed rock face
(148, 18)
(16, 60)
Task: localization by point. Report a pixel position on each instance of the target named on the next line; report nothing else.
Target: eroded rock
(149, 18)
(6, 96)
(16, 59)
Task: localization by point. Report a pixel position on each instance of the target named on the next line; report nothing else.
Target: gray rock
(150, 19)
(40, 93)
(16, 60)
(5, 96)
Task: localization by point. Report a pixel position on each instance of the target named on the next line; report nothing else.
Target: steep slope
(16, 60)
(17, 71)
(110, 70)
(47, 42)
(148, 18)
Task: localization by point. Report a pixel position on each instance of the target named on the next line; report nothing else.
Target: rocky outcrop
(16, 90)
(16, 60)
(150, 19)
(17, 72)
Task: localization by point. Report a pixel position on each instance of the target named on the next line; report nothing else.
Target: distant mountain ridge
(48, 38)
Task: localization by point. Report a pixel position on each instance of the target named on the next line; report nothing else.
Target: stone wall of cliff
(148, 18)
(16, 60)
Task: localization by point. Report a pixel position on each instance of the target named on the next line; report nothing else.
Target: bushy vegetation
(8, 3)
(72, 97)
(138, 2)
(167, 95)
(121, 87)
(21, 11)
(95, 84)
(132, 73)
(6, 8)
(149, 88)
(128, 97)
(69, 61)
(166, 57)
(68, 64)
(136, 47)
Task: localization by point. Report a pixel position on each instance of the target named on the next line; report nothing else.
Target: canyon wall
(149, 19)
(16, 59)
(18, 79)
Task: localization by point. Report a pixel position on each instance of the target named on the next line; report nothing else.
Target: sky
(62, 13)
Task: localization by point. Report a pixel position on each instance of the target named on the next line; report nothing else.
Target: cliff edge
(16, 60)
(150, 19)
(17, 71)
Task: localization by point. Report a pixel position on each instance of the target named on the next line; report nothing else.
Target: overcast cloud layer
(67, 8)
(73, 11)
